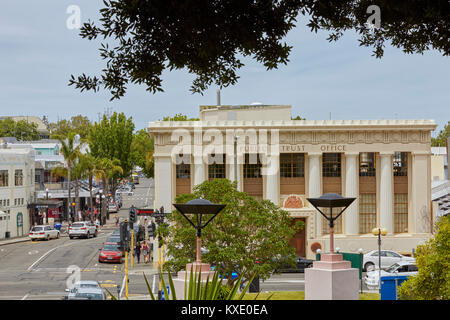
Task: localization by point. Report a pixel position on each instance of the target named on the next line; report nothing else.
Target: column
(386, 192)
(272, 178)
(314, 186)
(351, 216)
(163, 183)
(419, 218)
(199, 170)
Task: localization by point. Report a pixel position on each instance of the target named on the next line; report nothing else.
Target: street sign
(145, 212)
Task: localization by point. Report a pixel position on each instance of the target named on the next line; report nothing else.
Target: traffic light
(132, 214)
(124, 236)
(151, 229)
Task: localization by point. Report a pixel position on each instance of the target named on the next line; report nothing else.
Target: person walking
(117, 220)
(145, 251)
(137, 251)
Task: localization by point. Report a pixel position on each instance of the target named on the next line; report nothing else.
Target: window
(367, 212)
(4, 178)
(216, 170)
(400, 164)
(400, 212)
(292, 165)
(252, 166)
(18, 177)
(183, 170)
(331, 165)
(367, 164)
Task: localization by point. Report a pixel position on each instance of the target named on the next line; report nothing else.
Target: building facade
(385, 164)
(16, 191)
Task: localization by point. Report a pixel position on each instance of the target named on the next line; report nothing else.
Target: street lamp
(100, 196)
(46, 197)
(199, 208)
(379, 232)
(331, 200)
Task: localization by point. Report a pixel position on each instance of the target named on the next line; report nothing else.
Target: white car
(127, 190)
(370, 259)
(84, 229)
(112, 207)
(43, 232)
(86, 293)
(402, 268)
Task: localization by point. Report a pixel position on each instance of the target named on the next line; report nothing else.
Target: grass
(298, 295)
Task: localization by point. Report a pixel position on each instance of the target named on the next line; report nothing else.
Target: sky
(38, 53)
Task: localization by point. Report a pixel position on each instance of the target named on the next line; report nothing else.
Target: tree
(441, 139)
(179, 117)
(78, 124)
(71, 150)
(207, 37)
(111, 138)
(87, 162)
(142, 148)
(433, 261)
(244, 238)
(107, 171)
(22, 130)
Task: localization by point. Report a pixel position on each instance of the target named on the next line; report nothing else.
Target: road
(42, 269)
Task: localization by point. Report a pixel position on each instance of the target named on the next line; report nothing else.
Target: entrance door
(299, 239)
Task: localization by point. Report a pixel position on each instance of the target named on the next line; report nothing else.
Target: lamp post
(331, 200)
(379, 232)
(199, 208)
(100, 196)
(46, 197)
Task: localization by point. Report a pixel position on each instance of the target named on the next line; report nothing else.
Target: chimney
(218, 97)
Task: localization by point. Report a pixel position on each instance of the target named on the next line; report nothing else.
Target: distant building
(16, 191)
(440, 185)
(42, 124)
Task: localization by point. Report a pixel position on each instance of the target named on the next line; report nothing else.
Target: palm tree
(87, 162)
(106, 170)
(71, 152)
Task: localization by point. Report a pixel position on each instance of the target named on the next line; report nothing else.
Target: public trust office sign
(294, 148)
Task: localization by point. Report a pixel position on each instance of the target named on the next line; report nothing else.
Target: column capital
(351, 153)
(314, 154)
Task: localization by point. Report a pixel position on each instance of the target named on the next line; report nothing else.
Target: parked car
(84, 229)
(401, 268)
(44, 232)
(300, 265)
(370, 259)
(110, 253)
(112, 207)
(127, 190)
(113, 239)
(87, 294)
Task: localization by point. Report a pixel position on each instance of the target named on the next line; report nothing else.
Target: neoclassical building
(385, 164)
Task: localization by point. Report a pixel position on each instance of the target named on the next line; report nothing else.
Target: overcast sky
(38, 53)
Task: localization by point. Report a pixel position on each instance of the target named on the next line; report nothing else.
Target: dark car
(300, 265)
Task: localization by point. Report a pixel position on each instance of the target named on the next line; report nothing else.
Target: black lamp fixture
(331, 200)
(199, 208)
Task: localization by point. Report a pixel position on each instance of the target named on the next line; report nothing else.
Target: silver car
(84, 229)
(370, 259)
(86, 293)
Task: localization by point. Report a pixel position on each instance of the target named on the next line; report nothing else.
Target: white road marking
(51, 250)
(25, 296)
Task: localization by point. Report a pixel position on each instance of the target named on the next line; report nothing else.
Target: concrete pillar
(351, 216)
(272, 178)
(314, 186)
(199, 170)
(386, 192)
(419, 218)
